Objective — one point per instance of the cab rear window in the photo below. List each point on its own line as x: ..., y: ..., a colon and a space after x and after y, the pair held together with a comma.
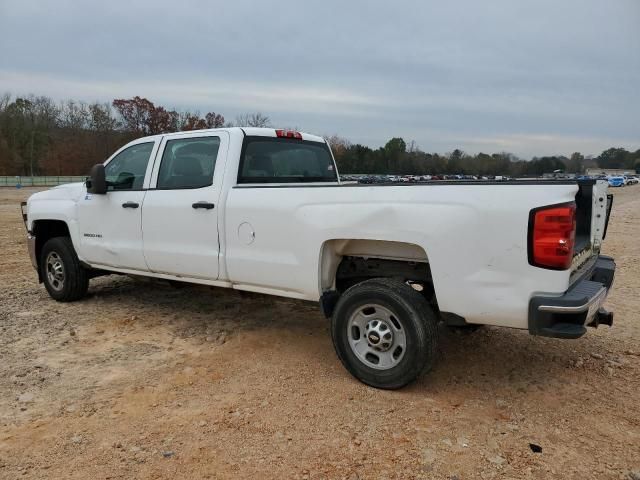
x: 285, y: 160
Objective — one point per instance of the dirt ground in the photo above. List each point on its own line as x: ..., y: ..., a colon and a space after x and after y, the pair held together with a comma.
x: 143, y: 380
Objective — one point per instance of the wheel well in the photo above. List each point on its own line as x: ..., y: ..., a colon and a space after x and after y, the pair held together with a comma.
x: 354, y: 270
x: 45, y: 230
x: 345, y: 263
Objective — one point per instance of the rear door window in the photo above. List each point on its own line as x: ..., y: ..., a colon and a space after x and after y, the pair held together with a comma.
x: 188, y: 163
x: 285, y: 160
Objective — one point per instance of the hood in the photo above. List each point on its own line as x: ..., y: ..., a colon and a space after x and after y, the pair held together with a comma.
x: 67, y: 185
x: 67, y: 191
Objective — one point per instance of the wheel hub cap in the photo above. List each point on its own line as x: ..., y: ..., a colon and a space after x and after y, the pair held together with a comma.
x: 55, y: 271
x: 376, y: 336
x: 379, y: 335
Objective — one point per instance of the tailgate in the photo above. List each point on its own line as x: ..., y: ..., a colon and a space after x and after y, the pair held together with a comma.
x: 593, y: 207
x: 601, y: 208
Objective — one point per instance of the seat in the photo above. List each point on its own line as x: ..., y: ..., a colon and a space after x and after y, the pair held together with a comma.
x: 124, y: 181
x: 188, y: 173
x: 259, y: 166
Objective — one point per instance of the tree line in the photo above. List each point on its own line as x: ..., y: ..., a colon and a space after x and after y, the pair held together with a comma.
x: 41, y: 137
x: 396, y: 157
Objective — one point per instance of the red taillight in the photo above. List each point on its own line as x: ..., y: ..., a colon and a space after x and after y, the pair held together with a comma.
x: 288, y: 134
x: 552, y: 233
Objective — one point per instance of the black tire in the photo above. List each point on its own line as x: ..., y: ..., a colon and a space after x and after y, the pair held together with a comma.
x: 409, y: 309
x: 73, y: 282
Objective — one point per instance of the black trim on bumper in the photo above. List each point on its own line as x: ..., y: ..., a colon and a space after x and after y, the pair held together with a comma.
x: 23, y: 210
x: 31, y: 246
x: 566, y: 316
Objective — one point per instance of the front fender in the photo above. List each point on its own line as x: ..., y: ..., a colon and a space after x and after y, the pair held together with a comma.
x: 56, y: 204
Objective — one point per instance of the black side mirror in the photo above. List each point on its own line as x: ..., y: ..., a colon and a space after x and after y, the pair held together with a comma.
x: 97, y: 181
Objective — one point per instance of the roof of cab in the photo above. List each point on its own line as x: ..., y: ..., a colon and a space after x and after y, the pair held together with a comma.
x: 250, y: 131
x: 271, y: 132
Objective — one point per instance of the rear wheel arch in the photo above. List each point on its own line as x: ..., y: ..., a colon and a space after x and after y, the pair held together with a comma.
x: 333, y: 251
x: 348, y: 262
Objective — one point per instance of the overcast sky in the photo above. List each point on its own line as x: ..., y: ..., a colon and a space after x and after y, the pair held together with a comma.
x: 530, y: 77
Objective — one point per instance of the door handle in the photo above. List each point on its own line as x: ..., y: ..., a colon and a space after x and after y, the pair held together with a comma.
x: 205, y: 205
x: 130, y: 205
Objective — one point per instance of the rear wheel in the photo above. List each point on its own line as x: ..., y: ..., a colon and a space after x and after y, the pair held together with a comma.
x: 63, y: 276
x: 384, y: 332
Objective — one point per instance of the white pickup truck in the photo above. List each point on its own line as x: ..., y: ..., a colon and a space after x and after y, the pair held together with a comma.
x: 264, y: 210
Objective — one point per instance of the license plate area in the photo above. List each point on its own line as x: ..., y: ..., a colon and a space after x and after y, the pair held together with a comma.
x: 595, y: 305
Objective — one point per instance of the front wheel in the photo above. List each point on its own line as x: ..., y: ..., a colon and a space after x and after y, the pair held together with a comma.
x: 64, y: 277
x: 384, y: 332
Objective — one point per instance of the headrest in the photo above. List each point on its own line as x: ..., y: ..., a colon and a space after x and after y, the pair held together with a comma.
x: 190, y: 166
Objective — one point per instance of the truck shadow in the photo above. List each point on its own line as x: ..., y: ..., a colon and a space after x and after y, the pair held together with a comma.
x: 471, y: 360
x: 193, y: 309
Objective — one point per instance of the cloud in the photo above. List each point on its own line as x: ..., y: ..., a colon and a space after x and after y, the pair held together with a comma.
x: 525, y: 76
x: 191, y: 93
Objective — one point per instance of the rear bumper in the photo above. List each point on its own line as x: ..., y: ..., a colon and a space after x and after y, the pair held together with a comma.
x: 568, y: 316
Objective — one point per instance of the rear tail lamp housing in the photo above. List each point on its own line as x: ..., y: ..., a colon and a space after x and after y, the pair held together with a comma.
x: 552, y: 236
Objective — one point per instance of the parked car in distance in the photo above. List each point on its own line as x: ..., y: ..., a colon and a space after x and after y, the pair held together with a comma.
x: 616, y: 181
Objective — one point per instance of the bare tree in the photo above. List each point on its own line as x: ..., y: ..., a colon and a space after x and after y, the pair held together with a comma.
x: 103, y: 125
x: 256, y: 119
x: 214, y: 120
x: 339, y: 145
x: 42, y: 115
x: 74, y: 115
x: 5, y: 100
x: 101, y: 118
x: 190, y: 121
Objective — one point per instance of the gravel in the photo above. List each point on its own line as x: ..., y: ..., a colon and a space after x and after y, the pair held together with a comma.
x: 249, y: 386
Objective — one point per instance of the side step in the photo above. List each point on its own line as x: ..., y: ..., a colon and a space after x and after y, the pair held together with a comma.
x: 564, y: 330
